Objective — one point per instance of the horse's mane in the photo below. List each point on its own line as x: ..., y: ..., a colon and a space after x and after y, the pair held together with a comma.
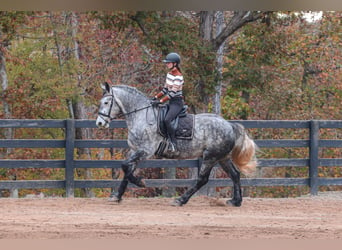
x: 131, y: 90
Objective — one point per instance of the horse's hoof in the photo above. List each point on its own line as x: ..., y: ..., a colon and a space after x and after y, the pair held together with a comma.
x: 176, y: 203
x: 233, y: 203
x: 114, y: 198
x: 142, y: 183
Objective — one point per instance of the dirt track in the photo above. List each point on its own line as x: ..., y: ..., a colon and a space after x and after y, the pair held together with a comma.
x: 202, y: 218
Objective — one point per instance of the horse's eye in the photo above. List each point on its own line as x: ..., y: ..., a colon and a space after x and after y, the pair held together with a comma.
x: 106, y: 103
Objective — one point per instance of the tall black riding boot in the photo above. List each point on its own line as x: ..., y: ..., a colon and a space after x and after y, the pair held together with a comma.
x: 172, y: 139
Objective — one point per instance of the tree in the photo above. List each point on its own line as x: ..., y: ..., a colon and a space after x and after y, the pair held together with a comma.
x: 235, y: 21
x: 214, y: 32
x: 79, y: 109
x: 8, y: 24
x: 294, y: 64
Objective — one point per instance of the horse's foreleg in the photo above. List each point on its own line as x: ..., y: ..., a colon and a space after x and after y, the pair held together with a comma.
x: 129, y: 166
x: 117, y: 197
x: 234, y: 174
x: 203, y: 179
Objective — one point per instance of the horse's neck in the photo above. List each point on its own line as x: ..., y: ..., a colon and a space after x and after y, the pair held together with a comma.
x: 133, y: 104
x: 130, y: 100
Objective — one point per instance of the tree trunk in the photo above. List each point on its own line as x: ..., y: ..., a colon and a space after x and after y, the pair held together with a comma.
x: 8, y: 132
x: 77, y: 107
x: 218, y: 88
x: 219, y: 64
x: 206, y: 25
x: 80, y: 110
x: 57, y: 42
x: 4, y: 86
x: 205, y: 33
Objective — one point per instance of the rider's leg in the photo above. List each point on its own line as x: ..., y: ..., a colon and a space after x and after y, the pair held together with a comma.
x: 171, y: 132
x: 175, y: 106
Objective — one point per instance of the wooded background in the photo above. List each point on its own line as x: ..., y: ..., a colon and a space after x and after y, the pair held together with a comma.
x: 240, y: 64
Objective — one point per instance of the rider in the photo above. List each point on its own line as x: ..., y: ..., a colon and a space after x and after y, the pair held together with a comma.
x: 172, y: 92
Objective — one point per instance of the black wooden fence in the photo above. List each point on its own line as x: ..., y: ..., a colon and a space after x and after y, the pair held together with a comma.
x: 69, y: 143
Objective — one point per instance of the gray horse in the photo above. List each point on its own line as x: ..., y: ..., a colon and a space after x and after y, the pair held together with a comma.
x: 215, y: 140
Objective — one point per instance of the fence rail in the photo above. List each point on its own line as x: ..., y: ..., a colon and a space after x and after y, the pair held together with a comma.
x: 69, y: 143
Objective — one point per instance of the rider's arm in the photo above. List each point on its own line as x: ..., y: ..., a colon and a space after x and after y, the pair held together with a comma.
x: 163, y: 92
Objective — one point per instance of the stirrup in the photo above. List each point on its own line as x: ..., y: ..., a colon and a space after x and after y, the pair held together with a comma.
x: 171, y: 147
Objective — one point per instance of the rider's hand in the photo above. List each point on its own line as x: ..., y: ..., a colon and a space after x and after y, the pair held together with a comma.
x: 155, y: 102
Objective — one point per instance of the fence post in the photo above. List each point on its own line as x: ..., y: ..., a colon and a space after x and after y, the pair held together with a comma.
x: 313, y: 165
x: 69, y: 157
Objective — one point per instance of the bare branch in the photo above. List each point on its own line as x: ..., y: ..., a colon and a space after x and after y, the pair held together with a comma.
x: 239, y: 19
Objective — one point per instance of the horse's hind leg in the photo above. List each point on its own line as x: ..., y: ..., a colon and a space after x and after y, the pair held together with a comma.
x: 234, y: 174
x: 203, y: 179
x: 129, y: 166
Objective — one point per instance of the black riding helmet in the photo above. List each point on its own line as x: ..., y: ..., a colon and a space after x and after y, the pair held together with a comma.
x: 172, y: 57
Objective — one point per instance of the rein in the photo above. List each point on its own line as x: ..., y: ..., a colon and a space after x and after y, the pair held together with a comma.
x: 122, y: 114
x: 136, y: 110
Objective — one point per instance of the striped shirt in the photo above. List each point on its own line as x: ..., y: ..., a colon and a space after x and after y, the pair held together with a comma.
x: 174, y: 83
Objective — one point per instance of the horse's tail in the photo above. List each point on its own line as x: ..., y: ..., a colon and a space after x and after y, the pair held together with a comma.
x: 243, y: 152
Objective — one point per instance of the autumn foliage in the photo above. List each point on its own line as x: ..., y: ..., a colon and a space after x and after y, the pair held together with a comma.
x: 278, y: 67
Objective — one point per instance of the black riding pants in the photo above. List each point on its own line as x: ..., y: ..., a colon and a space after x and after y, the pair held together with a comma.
x: 175, y: 106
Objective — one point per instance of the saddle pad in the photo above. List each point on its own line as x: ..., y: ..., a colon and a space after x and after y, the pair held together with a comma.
x: 185, y: 127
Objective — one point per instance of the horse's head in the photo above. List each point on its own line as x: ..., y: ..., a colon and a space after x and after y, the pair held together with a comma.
x: 108, y: 108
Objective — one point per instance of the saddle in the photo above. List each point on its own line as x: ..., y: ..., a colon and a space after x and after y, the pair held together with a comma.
x: 183, y: 123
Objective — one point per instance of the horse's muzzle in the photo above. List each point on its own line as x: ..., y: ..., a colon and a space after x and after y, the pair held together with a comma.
x: 102, y: 123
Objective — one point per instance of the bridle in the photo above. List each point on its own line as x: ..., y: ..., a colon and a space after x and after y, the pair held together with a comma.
x: 122, y: 113
x: 110, y: 108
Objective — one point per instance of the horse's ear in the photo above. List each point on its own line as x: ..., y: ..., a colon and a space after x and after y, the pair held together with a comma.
x: 105, y: 86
